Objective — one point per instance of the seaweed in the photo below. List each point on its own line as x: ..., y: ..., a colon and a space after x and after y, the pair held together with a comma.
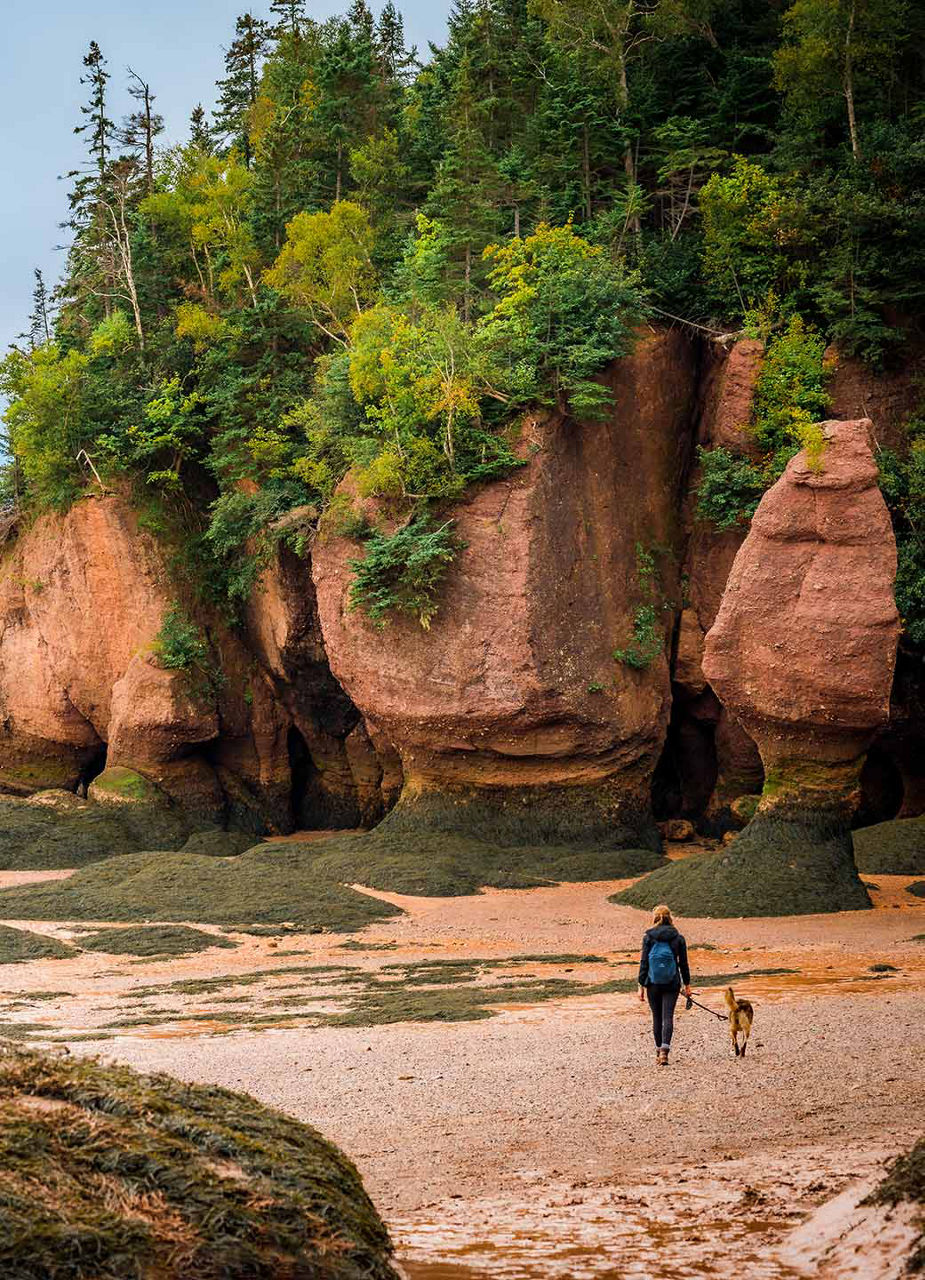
x: 152, y: 940
x: 111, y: 1175
x: 17, y: 946
x: 894, y: 848
x: 782, y: 864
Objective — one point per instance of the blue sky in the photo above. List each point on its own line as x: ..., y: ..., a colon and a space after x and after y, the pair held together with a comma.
x: 175, y: 44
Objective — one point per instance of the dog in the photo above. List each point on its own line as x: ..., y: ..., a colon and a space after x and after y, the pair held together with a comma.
x: 741, y: 1016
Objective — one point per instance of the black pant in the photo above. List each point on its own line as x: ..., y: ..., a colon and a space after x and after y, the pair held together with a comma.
x: 662, y: 1001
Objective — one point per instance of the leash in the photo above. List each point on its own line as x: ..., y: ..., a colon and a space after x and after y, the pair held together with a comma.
x: 723, y: 1017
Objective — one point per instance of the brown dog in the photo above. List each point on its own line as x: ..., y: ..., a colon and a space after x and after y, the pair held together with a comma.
x: 741, y: 1016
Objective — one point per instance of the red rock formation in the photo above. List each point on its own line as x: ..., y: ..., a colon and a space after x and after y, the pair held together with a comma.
x: 82, y: 599
x: 511, y: 709
x: 804, y: 645
x: 728, y: 394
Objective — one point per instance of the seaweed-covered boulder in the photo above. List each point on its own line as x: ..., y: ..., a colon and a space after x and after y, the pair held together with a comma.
x: 894, y: 848
x: 513, y: 720
x: 802, y: 654
x: 109, y: 1174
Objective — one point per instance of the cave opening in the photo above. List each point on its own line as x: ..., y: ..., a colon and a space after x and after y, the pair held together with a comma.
x: 687, y: 769
x: 303, y: 773
x: 882, y: 789
x: 92, y: 768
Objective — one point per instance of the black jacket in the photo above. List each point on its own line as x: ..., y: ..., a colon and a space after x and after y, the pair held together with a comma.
x: 664, y: 933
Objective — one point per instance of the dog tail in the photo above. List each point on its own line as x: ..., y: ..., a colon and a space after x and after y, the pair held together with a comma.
x: 730, y: 999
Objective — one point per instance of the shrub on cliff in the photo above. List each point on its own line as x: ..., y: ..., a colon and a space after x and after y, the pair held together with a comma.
x: 402, y: 572
x: 109, y: 1174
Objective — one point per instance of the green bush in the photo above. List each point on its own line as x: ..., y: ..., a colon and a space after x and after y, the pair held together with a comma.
x: 402, y: 572
x: 730, y: 488
x: 647, y: 643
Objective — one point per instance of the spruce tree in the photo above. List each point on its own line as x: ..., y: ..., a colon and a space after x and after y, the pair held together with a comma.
x: 238, y: 90
x: 91, y: 261
x: 291, y: 14
x: 39, y: 327
x: 200, y: 135
x: 139, y: 129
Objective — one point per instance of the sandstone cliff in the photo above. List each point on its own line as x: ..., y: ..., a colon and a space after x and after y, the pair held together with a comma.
x: 512, y: 718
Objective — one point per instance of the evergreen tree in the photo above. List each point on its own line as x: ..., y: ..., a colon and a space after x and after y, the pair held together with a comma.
x: 91, y: 266
x: 39, y: 327
x: 200, y: 135
x: 395, y: 59
x: 291, y: 15
x: 466, y: 195
x: 141, y: 127
x: 238, y: 89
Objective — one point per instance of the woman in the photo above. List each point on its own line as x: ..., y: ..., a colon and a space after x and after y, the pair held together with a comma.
x: 662, y: 967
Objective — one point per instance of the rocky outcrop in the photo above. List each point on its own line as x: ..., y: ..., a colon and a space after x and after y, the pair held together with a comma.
x: 83, y: 597
x: 511, y: 716
x: 802, y: 654
x: 713, y: 758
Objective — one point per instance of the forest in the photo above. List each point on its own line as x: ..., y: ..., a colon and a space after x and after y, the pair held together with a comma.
x: 372, y: 258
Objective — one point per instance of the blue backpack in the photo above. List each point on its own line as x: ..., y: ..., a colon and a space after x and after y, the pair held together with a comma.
x: 663, y: 967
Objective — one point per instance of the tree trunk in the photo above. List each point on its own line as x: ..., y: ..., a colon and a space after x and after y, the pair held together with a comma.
x: 849, y: 89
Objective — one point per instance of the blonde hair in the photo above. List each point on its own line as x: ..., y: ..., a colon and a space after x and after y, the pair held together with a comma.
x: 661, y: 914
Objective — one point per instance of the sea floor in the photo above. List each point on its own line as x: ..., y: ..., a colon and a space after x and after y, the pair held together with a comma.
x: 544, y: 1141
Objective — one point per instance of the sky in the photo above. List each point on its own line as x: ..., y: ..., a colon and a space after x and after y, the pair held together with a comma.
x: 174, y: 44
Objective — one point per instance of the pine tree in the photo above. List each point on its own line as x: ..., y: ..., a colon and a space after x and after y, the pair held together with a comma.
x: 361, y: 19
x: 97, y: 131
x: 395, y: 59
x: 139, y: 129
x: 466, y: 195
x: 200, y: 135
x: 291, y: 14
x: 39, y: 328
x: 238, y: 90
x: 91, y: 264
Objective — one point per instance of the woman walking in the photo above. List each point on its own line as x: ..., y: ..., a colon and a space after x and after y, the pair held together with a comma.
x: 662, y: 968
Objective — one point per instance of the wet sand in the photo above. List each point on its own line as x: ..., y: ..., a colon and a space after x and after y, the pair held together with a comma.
x: 545, y: 1141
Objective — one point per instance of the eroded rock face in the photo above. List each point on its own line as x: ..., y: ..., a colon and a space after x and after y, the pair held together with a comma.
x: 804, y: 645
x: 82, y: 599
x: 802, y: 653
x: 511, y: 717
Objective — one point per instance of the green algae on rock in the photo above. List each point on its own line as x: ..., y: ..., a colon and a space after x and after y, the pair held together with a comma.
x: 110, y: 1174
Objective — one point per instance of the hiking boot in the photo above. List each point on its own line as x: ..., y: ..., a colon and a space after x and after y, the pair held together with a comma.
x: 663, y: 1057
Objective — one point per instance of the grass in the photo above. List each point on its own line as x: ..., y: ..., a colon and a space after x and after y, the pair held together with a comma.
x: 271, y: 885
x: 894, y: 848
x: 779, y: 866
x: 152, y: 940
x: 905, y: 1181
x: 111, y: 1175
x: 17, y: 946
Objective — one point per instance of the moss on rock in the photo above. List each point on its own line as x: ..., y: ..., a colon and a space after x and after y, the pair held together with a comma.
x: 585, y: 818
x: 18, y: 946
x: 110, y: 1174
x: 119, y: 785
x: 433, y: 863
x: 894, y: 848
x: 781, y: 865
